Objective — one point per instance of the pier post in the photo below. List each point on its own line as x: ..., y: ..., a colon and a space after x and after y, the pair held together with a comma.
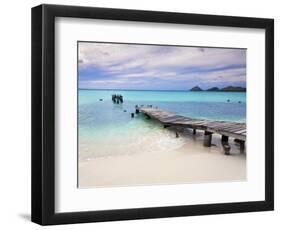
x: 194, y: 131
x: 224, y: 138
x: 226, y: 148
x: 242, y: 146
x: 207, y: 139
x: 225, y: 144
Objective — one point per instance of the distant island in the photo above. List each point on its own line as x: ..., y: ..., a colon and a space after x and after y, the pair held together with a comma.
x: 216, y: 89
x: 196, y: 88
x: 213, y: 89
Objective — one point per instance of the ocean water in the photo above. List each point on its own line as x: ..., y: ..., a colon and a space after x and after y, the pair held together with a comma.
x: 107, y: 129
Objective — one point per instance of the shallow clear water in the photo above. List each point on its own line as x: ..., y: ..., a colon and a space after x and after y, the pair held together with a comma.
x: 106, y: 129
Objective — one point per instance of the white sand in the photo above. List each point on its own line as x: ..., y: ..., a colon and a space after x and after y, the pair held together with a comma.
x: 191, y: 163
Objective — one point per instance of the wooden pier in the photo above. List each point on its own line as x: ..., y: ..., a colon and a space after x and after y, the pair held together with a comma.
x: 225, y: 128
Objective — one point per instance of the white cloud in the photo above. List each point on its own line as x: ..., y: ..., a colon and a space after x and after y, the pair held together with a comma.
x: 124, y: 61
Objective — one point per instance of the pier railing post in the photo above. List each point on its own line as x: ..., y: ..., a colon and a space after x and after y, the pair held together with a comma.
x: 207, y: 139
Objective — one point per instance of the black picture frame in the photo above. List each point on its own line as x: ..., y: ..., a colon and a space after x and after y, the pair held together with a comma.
x: 43, y: 114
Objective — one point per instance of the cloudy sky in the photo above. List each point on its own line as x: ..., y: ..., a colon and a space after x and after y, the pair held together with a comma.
x: 124, y: 66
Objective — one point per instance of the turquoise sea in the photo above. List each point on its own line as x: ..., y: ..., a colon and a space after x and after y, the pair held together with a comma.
x: 104, y: 127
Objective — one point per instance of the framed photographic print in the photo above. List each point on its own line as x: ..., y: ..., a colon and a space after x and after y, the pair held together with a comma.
x: 142, y: 114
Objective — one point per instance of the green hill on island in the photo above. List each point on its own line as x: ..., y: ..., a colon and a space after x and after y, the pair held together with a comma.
x: 216, y: 89
x: 234, y: 89
x: 213, y: 89
x: 196, y: 88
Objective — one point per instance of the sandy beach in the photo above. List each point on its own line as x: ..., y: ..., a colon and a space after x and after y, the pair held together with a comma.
x: 189, y: 163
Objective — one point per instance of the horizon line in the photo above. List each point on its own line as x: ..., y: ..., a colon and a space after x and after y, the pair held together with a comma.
x: 137, y: 89
x: 155, y: 89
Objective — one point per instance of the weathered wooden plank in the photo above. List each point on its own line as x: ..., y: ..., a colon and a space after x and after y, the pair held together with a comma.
x: 226, y: 125
x: 234, y: 130
x: 242, y: 131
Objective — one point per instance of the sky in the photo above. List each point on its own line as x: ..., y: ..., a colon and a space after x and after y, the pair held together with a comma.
x: 158, y: 67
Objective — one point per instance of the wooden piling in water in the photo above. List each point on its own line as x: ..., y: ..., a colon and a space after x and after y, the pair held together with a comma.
x: 226, y: 148
x: 225, y: 144
x: 117, y: 99
x: 207, y: 139
x: 224, y: 138
x: 242, y: 146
